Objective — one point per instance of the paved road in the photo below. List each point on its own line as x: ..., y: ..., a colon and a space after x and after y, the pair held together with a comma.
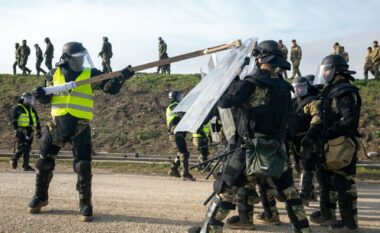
x: 134, y: 203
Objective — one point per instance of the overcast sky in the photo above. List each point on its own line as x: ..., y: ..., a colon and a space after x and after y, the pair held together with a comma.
x: 133, y: 27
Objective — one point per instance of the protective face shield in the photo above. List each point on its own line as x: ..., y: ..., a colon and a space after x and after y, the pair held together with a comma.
x: 325, y: 74
x: 175, y: 95
x: 78, y: 61
x: 300, y: 90
x: 28, y: 99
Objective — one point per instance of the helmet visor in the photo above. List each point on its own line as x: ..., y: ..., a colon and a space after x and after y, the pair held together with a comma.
x: 300, y: 90
x: 29, y: 99
x: 325, y: 74
x: 78, y: 61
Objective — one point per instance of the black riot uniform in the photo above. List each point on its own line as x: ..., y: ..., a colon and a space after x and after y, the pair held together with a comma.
x: 70, y: 123
x: 24, y: 121
x: 303, y: 124
x: 262, y: 102
x: 340, y: 107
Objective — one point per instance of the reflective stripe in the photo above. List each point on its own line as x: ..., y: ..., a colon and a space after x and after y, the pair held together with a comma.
x: 205, y: 129
x: 170, y: 116
x: 73, y: 106
x: 24, y: 119
x: 81, y: 95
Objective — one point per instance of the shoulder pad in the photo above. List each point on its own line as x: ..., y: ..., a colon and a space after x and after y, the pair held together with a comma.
x: 343, y: 88
x: 260, y: 78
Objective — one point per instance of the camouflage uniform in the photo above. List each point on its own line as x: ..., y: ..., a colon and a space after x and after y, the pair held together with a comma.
x: 295, y: 58
x: 375, y: 55
x: 39, y: 59
x: 106, y: 54
x: 346, y: 56
x: 368, y: 65
x: 17, y: 58
x: 49, y: 54
x: 24, y: 54
x: 285, y: 52
x: 162, y: 54
x: 338, y: 50
x: 284, y: 184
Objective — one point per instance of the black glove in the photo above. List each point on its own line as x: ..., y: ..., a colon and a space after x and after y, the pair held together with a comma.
x: 127, y: 73
x: 246, y: 61
x: 307, y: 142
x: 39, y: 93
x: 38, y: 133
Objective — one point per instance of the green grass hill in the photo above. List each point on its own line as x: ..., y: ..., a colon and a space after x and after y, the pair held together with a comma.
x: 134, y: 119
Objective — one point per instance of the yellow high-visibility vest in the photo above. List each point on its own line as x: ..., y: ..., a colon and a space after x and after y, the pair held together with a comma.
x: 24, y: 120
x: 170, y: 116
x: 79, y: 101
x: 206, y: 130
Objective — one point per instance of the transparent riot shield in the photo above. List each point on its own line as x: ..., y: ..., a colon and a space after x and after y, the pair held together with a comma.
x: 203, y: 97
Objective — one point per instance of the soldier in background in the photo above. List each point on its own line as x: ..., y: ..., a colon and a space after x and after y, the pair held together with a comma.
x: 368, y: 64
x: 39, y: 59
x: 295, y: 58
x: 337, y: 49
x: 375, y: 55
x: 17, y: 57
x: 49, y: 53
x: 162, y: 54
x: 345, y: 54
x: 106, y: 54
x: 285, y: 52
x: 24, y: 54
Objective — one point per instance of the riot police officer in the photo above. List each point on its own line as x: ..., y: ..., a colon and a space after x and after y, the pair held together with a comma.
x: 24, y: 121
x: 340, y: 107
x: 303, y: 124
x: 71, y: 114
x: 177, y: 139
x: 263, y: 100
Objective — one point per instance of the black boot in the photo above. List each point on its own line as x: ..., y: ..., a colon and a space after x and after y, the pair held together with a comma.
x: 85, y: 204
x: 26, y: 167
x: 323, y: 218
x: 13, y: 163
x: 185, y: 173
x: 41, y: 197
x: 174, y: 168
x: 243, y: 221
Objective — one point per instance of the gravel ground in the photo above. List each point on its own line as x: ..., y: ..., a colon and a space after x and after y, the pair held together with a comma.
x: 135, y: 203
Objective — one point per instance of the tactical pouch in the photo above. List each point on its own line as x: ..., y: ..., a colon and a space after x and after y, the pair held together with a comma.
x: 266, y: 158
x: 339, y: 152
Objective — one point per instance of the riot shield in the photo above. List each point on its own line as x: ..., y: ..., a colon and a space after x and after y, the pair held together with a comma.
x: 203, y: 97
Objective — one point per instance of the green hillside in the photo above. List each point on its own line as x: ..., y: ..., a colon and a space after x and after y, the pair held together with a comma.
x: 134, y: 119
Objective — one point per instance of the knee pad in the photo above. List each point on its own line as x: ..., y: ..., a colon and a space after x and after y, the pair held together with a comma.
x: 47, y: 149
x: 45, y: 164
x: 285, y: 181
x: 82, y: 167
